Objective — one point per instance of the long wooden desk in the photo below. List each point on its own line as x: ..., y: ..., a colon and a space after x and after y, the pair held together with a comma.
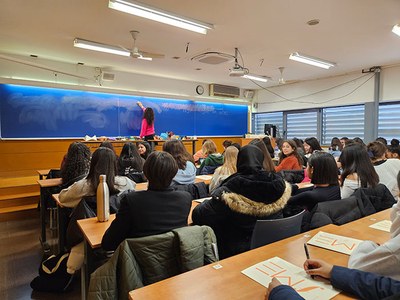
x: 229, y: 283
x: 93, y: 231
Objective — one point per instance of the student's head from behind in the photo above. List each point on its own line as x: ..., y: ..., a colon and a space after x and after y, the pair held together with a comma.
x: 268, y: 164
x: 376, y: 151
x: 107, y: 144
x: 226, y: 143
x: 250, y: 160
x: 160, y: 168
x: 230, y: 158
x: 77, y: 161
x: 178, y: 151
x: 149, y: 115
x: 382, y: 140
x: 143, y: 149
x: 393, y: 152
x: 129, y: 150
x: 209, y: 147
x: 311, y: 144
x: 322, y: 168
x: 354, y: 159
x: 103, y: 163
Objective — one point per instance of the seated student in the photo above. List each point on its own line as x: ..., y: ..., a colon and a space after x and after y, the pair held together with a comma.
x: 335, y: 147
x: 242, y: 199
x: 199, y: 156
x: 130, y: 163
x: 311, y: 144
x: 157, y: 210
x: 381, y: 259
x: 289, y: 159
x: 323, y: 172
x: 358, y: 170
x: 227, y: 169
x: 186, y: 169
x: 75, y: 163
x: 360, y: 284
x: 387, y: 169
x: 213, y: 159
x: 226, y: 144
x: 103, y: 162
x: 144, y: 149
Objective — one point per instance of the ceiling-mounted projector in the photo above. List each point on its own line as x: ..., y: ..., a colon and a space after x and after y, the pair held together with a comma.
x: 238, y: 71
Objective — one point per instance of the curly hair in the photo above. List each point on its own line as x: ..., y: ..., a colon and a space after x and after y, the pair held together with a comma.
x: 76, y: 162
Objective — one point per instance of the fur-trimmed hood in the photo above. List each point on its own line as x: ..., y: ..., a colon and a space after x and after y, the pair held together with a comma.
x: 260, y: 194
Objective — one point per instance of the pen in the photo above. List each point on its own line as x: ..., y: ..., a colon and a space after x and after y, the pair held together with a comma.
x: 307, y: 255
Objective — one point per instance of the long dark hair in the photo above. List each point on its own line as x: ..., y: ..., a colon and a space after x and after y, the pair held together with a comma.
x: 295, y: 153
x: 267, y: 142
x: 268, y: 164
x: 354, y: 159
x: 314, y: 144
x: 103, y: 163
x: 130, y: 157
x: 77, y: 162
x: 148, y: 149
x: 178, y: 152
x: 149, y: 115
x: 324, y: 168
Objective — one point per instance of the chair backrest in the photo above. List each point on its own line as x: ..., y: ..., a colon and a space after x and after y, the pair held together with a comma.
x: 269, y: 231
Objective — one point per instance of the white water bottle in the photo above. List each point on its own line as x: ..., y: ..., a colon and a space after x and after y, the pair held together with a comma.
x: 103, y: 200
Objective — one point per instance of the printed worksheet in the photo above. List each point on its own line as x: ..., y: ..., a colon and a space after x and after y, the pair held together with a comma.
x: 334, y: 242
x: 382, y: 225
x: 292, y: 275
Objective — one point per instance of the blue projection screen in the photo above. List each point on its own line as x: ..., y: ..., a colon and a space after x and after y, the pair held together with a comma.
x: 37, y: 112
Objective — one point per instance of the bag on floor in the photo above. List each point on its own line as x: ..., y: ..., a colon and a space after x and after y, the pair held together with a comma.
x: 53, y: 276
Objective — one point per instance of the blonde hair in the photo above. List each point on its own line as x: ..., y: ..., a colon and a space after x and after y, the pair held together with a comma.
x: 230, y: 159
x: 209, y: 147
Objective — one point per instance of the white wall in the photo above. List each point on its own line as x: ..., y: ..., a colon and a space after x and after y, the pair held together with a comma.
x: 341, y: 91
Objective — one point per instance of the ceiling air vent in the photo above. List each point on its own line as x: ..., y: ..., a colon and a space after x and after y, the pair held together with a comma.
x: 224, y: 90
x: 213, y: 57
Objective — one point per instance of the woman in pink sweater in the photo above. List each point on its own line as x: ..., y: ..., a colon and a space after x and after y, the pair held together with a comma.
x: 289, y: 159
x: 147, y: 131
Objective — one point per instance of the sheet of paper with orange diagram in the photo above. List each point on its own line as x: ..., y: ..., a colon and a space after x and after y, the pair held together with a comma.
x: 334, y: 242
x: 291, y: 275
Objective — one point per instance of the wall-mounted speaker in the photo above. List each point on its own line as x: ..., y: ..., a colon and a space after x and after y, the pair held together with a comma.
x: 248, y: 94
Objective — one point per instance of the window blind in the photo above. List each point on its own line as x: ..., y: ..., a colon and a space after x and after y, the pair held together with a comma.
x: 342, y: 121
x: 275, y: 118
x: 302, y: 125
x: 389, y: 125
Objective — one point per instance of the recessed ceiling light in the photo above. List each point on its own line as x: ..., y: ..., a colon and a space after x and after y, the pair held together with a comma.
x: 313, y: 22
x: 396, y: 29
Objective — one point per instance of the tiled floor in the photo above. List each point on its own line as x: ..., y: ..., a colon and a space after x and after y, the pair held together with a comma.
x: 20, y: 257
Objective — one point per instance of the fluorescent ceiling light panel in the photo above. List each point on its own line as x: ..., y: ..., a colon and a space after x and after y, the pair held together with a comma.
x: 396, y: 29
x: 148, y: 12
x: 84, y: 44
x: 311, y: 60
x: 255, y: 77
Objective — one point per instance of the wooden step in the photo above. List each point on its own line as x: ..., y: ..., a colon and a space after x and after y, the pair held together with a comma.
x: 7, y: 182
x: 18, y: 201
x: 20, y: 195
x: 18, y: 208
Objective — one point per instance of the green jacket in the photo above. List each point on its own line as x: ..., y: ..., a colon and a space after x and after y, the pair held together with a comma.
x: 142, y: 261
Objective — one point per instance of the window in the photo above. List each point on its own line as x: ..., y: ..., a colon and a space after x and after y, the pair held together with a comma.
x: 302, y: 125
x: 389, y: 126
x: 275, y: 118
x: 342, y: 121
